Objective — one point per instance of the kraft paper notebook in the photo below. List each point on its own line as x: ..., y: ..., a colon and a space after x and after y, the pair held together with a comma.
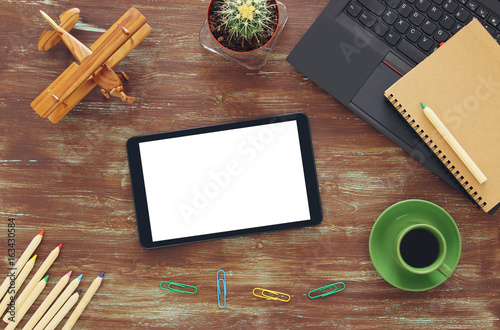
x: 461, y: 83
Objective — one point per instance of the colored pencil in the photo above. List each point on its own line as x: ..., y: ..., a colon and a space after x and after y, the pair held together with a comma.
x: 18, y: 283
x: 63, y: 311
x: 22, y: 260
x: 96, y: 283
x: 35, y: 279
x: 48, y: 301
x: 453, y: 143
x: 58, y: 303
x: 27, y: 304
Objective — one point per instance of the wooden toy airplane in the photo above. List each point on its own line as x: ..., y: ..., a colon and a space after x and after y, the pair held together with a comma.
x: 96, y: 63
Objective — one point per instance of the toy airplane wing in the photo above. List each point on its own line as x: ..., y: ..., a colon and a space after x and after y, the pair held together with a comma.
x: 76, y: 81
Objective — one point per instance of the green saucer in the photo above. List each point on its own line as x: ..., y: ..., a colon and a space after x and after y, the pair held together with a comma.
x: 391, y: 222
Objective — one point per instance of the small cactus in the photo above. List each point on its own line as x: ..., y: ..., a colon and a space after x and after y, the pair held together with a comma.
x: 247, y: 19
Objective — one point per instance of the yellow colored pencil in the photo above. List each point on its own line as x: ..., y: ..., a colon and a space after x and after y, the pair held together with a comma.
x: 33, y: 282
x: 48, y: 301
x: 63, y: 311
x: 96, y: 283
x: 27, y: 304
x: 454, y: 144
x: 18, y: 283
x: 22, y: 260
x: 58, y: 303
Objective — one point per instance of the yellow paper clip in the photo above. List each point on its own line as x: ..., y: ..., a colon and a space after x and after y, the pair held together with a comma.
x: 340, y: 287
x: 274, y: 295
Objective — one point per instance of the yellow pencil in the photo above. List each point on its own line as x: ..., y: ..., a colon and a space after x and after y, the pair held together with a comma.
x: 20, y: 263
x: 96, y: 283
x: 33, y: 282
x: 63, y: 311
x: 48, y: 301
x: 27, y: 304
x: 17, y: 284
x: 58, y: 303
x: 453, y: 143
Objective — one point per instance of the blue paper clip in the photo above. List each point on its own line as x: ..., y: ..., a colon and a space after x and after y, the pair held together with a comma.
x: 335, y: 290
x: 170, y: 288
x: 221, y: 282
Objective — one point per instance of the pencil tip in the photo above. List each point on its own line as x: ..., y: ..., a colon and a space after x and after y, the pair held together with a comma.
x: 46, y: 278
x: 69, y: 273
x: 42, y: 232
x: 423, y: 105
x: 34, y: 257
x: 60, y: 246
x: 102, y: 274
x: 80, y: 277
x: 79, y: 291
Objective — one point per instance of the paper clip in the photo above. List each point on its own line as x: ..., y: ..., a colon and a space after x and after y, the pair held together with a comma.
x: 276, y: 295
x: 335, y: 290
x: 221, y: 282
x: 169, y: 287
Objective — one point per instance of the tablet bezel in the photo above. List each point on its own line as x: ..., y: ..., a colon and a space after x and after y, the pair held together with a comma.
x: 139, y: 190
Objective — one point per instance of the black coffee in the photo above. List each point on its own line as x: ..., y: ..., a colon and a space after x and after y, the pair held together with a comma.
x: 419, y: 248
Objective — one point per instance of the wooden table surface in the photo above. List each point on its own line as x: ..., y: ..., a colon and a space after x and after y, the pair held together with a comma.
x: 72, y: 180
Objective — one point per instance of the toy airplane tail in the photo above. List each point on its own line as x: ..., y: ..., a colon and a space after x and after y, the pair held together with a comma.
x: 50, y: 38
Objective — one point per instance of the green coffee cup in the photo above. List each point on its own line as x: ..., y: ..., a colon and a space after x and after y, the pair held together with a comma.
x: 415, y: 245
x: 421, y: 249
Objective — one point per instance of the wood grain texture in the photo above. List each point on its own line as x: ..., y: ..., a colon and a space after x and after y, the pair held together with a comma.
x: 72, y: 180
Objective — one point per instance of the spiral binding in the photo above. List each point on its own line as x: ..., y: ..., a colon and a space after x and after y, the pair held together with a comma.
x: 434, y: 148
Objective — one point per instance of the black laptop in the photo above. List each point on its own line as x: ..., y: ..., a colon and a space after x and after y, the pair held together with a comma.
x: 356, y: 49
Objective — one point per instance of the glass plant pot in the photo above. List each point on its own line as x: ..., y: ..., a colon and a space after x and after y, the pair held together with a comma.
x: 252, y: 60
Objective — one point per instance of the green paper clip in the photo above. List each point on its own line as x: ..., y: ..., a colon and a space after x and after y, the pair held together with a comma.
x: 169, y: 287
x: 335, y: 290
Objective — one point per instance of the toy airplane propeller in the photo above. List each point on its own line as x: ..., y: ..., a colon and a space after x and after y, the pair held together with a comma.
x: 96, y: 63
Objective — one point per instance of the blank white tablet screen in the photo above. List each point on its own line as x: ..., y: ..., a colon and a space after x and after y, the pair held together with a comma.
x: 223, y: 181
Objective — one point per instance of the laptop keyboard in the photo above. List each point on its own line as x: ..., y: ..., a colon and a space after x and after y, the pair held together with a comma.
x: 417, y: 27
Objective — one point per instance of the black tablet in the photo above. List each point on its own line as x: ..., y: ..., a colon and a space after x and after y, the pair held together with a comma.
x: 224, y: 180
